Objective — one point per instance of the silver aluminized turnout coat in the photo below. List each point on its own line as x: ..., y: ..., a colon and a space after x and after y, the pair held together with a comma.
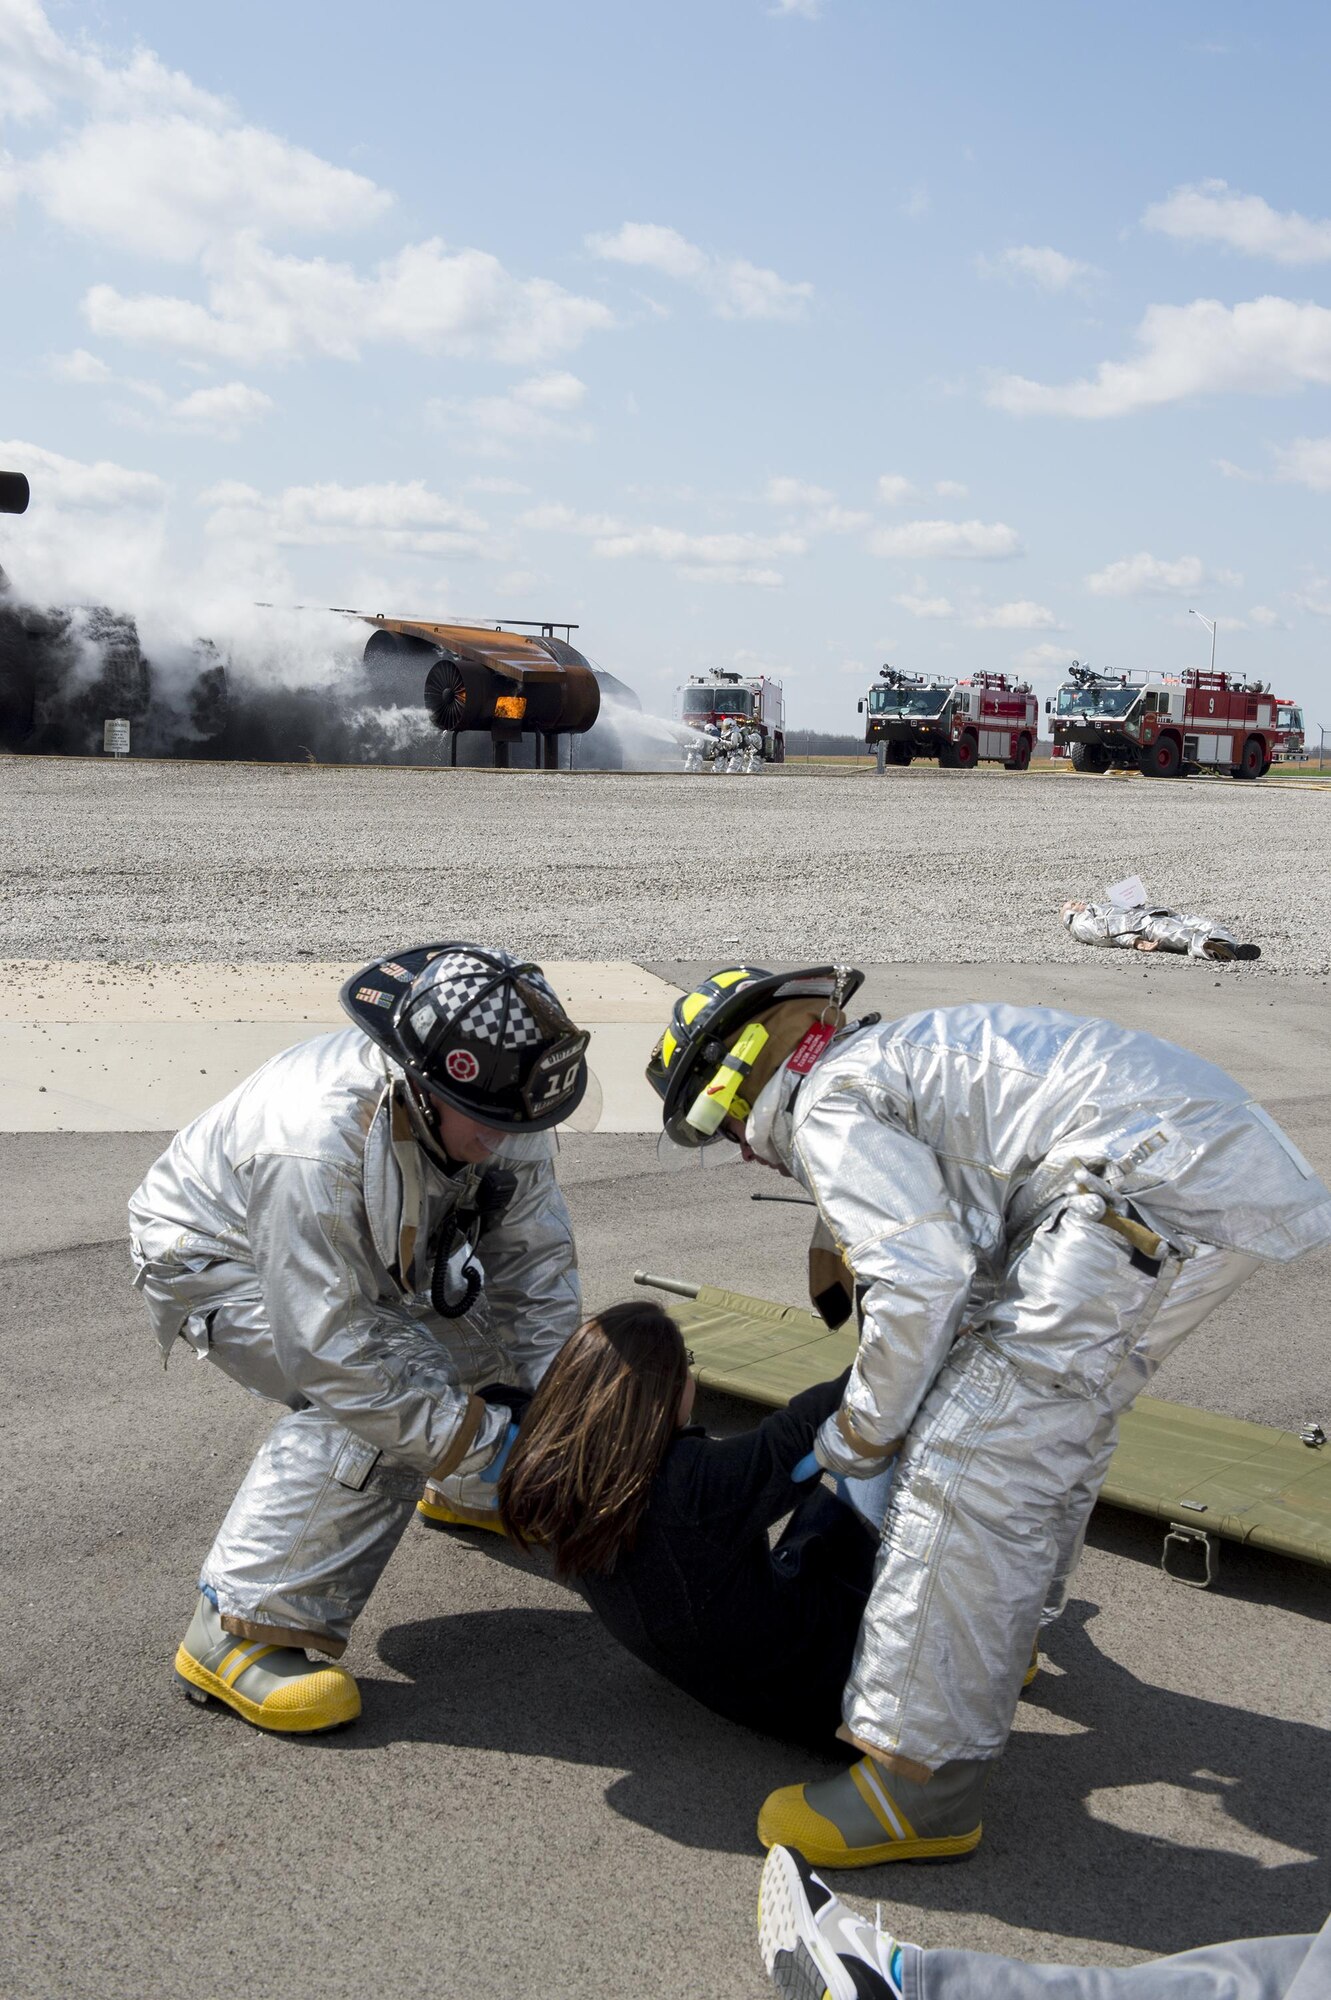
x: 975, y: 1167
x: 287, y: 1235
x: 1153, y: 924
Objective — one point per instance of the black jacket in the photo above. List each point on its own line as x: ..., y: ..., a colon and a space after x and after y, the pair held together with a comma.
x: 762, y: 1635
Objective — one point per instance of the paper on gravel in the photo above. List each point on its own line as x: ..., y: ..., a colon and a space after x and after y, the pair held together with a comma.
x: 1129, y: 894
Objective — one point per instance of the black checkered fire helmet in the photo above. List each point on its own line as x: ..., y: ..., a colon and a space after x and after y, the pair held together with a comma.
x: 481, y: 1029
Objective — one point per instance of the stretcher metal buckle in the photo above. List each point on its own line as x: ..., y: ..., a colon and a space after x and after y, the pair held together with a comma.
x: 1197, y: 1556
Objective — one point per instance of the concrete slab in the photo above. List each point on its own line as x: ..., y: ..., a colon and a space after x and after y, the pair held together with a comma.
x: 286, y: 990
x: 91, y: 1047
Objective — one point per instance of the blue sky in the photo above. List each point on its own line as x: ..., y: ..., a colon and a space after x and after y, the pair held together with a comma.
x: 792, y: 334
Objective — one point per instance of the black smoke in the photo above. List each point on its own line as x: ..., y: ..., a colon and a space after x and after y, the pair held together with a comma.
x: 64, y: 671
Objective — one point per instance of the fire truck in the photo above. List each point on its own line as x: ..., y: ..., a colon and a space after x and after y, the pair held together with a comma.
x: 756, y: 701
x: 986, y: 718
x: 1166, y: 725
x: 1289, y: 722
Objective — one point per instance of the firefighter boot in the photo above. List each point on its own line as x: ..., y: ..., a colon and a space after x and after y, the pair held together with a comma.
x: 274, y: 1687
x: 868, y: 1814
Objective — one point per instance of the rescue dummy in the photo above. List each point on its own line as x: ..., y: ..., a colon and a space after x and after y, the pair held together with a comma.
x: 1027, y: 1211
x: 1128, y: 922
x: 363, y: 1232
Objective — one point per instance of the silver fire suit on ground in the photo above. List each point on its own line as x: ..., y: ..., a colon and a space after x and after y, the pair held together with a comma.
x: 288, y: 1235
x: 1168, y: 930
x: 969, y: 1164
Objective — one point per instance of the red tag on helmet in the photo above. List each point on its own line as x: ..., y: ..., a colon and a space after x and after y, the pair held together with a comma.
x: 809, y: 1050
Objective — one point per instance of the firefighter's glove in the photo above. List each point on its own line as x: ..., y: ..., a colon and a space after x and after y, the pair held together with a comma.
x: 844, y: 1452
x: 473, y: 1490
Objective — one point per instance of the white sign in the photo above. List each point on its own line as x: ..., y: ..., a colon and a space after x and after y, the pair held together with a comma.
x: 115, y: 737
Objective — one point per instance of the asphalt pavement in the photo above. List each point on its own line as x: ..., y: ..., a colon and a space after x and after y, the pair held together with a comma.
x: 523, y: 1809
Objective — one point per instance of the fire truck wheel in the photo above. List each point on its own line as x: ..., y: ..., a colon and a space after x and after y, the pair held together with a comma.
x: 967, y: 753
x: 1163, y: 758
x: 1250, y: 763
x: 899, y: 753
x: 1266, y: 765
x: 1022, y: 758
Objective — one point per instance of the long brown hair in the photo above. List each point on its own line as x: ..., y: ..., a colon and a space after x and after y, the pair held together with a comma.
x: 593, y: 1438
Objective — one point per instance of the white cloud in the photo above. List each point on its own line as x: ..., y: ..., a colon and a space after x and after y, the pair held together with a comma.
x: 1145, y: 575
x: 536, y: 411
x: 707, y: 558
x: 915, y: 203
x: 555, y: 518
x: 38, y: 71
x: 769, y: 579
x: 221, y: 410
x: 808, y: 10
x: 403, y: 517
x: 265, y: 307
x: 735, y: 288
x: 1213, y: 212
x: 1316, y: 598
x: 1263, y: 615
x: 59, y: 482
x: 151, y: 164
x: 1228, y: 470
x: 785, y: 492
x: 817, y: 507
x: 1307, y: 461
x: 894, y: 489
x: 1049, y: 270
x: 675, y: 546
x: 80, y: 367
x: 925, y: 607
x: 950, y: 489
x: 172, y: 187
x: 1263, y: 347
x: 1018, y: 615
x: 1044, y: 658
x: 981, y: 541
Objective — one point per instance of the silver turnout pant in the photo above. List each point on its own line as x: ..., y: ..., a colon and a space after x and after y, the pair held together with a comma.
x: 318, y: 1513
x: 1269, y: 1968
x: 998, y: 1475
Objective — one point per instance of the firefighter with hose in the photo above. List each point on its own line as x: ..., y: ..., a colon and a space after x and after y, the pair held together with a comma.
x: 363, y: 1233
x: 1026, y: 1211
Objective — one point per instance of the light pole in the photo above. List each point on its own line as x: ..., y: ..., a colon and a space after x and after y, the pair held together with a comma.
x: 1210, y: 624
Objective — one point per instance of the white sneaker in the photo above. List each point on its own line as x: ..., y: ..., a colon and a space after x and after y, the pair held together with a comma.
x: 813, y: 1947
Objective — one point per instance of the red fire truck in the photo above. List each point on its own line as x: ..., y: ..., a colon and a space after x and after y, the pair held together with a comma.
x: 1166, y: 725
x: 985, y: 717
x: 1289, y: 721
x: 755, y: 701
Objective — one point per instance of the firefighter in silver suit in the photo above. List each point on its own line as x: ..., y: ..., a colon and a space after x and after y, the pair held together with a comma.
x: 1027, y: 1211
x: 364, y: 1232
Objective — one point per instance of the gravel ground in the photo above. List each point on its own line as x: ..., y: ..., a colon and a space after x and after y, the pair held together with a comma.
x: 207, y: 861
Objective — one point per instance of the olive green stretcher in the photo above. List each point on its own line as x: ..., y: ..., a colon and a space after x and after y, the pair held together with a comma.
x: 1206, y: 1476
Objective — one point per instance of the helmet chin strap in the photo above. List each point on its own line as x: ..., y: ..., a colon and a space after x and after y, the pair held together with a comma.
x: 425, y: 1121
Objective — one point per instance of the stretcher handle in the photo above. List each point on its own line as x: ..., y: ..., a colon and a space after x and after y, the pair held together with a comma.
x: 676, y: 1285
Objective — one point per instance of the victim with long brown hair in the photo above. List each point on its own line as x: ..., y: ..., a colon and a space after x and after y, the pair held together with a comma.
x: 664, y: 1529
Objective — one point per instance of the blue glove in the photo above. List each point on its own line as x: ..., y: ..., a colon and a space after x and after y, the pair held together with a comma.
x: 808, y: 1468
x: 491, y: 1474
